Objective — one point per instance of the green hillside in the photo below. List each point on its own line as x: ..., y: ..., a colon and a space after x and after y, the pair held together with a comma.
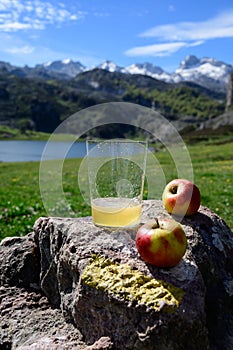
x: 42, y: 104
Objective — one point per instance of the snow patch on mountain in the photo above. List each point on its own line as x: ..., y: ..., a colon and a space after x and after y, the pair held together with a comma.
x: 111, y: 67
x: 47, y: 64
x: 67, y: 61
x: 144, y: 68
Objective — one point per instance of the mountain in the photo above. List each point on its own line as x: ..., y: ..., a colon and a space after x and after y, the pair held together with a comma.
x: 42, y: 104
x: 110, y: 66
x: 206, y: 72
x: 150, y: 70
x: 66, y: 67
x: 7, y: 68
x: 41, y: 97
x: 39, y: 71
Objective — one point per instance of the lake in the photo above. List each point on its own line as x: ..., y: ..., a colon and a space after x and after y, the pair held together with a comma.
x: 24, y: 151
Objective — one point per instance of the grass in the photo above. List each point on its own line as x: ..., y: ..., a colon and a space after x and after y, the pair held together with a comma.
x: 21, y: 203
x: 213, y: 174
x: 8, y: 133
x: 213, y: 170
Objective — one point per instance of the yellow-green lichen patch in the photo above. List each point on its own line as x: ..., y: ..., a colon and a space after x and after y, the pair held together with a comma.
x: 124, y: 282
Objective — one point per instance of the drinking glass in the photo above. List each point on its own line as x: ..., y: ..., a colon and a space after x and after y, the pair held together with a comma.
x: 116, y: 172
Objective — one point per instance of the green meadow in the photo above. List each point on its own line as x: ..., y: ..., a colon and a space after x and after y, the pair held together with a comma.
x: 21, y: 203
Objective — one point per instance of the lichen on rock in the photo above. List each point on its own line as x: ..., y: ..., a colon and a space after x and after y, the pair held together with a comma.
x: 130, y: 284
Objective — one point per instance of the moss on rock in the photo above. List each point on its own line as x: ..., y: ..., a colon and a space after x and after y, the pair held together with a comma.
x: 132, y: 285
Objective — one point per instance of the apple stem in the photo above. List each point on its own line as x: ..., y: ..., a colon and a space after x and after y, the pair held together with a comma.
x: 156, y: 224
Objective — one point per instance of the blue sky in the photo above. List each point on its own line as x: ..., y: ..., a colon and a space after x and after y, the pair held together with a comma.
x: 126, y: 32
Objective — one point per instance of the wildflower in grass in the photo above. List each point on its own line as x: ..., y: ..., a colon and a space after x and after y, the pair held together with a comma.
x: 15, y: 179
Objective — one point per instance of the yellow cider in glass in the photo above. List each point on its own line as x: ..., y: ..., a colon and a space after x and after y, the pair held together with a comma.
x: 116, y: 212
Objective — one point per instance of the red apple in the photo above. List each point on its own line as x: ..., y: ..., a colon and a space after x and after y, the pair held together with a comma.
x: 161, y: 242
x: 181, y: 197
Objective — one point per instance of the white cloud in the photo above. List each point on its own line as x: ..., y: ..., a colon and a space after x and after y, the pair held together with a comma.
x: 217, y: 27
x: 13, y: 26
x: 155, y: 50
x: 20, y: 50
x: 172, y: 37
x: 159, y: 50
x: 20, y: 15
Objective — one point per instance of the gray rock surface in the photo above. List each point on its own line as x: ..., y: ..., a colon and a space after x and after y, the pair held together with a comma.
x: 29, y: 322
x: 84, y: 287
x: 19, y: 262
x: 229, y: 97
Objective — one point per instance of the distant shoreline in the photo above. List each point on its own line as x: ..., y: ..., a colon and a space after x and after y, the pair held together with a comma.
x: 10, y: 134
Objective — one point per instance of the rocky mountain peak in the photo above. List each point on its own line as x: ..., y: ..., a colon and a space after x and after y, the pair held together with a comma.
x: 189, y: 61
x: 110, y: 66
x: 66, y: 66
x: 144, y: 68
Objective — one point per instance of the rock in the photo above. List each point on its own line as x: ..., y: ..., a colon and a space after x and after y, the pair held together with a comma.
x: 102, y: 343
x: 19, y: 262
x: 29, y: 322
x: 229, y: 95
x: 98, y: 279
x: 96, y: 285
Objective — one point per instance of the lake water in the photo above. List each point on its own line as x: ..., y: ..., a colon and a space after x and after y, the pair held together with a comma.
x: 24, y: 151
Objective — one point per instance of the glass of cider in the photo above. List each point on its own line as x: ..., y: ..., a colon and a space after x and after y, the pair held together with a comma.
x: 116, y: 171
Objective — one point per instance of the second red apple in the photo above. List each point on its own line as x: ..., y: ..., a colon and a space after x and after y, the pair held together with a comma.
x: 181, y: 197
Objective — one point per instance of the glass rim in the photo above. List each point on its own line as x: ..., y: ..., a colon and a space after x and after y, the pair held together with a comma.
x: 117, y: 140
